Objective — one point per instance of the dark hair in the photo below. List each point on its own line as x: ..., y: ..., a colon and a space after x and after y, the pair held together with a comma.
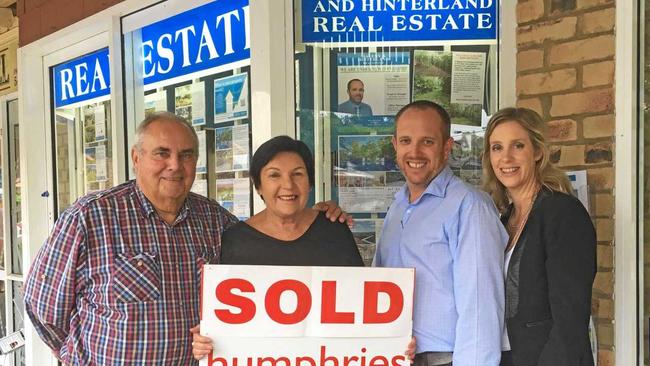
x: 268, y: 150
x: 351, y: 80
x: 427, y: 104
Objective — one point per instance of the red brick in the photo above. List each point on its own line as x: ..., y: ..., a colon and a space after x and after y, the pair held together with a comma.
x: 598, y: 100
x: 554, y: 29
x: 599, y: 73
x: 585, y: 49
x: 546, y: 82
x: 600, y: 178
x: 598, y: 126
x: 561, y: 130
x: 529, y: 10
x: 598, y: 21
x: 530, y: 59
x: 531, y: 103
x: 584, y: 4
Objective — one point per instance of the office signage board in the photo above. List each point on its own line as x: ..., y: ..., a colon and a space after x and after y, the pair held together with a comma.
x: 359, y: 21
x: 215, y: 34
x: 83, y: 78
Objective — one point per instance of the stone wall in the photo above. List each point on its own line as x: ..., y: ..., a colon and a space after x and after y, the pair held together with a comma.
x: 565, y: 72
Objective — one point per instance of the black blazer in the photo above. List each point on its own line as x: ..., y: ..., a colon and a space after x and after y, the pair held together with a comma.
x: 548, y: 284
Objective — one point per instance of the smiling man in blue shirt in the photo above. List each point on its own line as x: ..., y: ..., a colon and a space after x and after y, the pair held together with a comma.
x: 451, y: 234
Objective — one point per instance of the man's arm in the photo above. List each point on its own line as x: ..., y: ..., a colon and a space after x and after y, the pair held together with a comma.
x: 478, y: 283
x: 51, y: 285
x: 334, y: 212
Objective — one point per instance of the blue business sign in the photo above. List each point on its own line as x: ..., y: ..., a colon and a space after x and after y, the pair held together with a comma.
x: 398, y: 20
x: 211, y: 35
x: 81, y: 79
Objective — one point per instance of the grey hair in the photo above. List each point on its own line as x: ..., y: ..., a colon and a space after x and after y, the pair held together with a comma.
x: 167, y: 116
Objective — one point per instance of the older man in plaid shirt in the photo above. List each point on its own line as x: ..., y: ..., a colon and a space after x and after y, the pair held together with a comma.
x: 117, y: 282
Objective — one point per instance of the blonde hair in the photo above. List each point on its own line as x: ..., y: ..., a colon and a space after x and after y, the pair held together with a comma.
x: 546, y: 174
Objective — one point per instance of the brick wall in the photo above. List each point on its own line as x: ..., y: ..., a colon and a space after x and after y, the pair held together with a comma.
x: 38, y: 18
x: 565, y: 71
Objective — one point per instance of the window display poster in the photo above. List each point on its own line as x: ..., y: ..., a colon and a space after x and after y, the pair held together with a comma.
x: 100, y: 156
x: 155, y: 102
x: 433, y: 79
x: 366, y: 235
x: 200, y: 187
x: 198, y: 104
x: 232, y: 148
x: 467, y: 77
x: 379, y: 83
x: 231, y: 98
x: 95, y: 163
x: 368, y: 175
x: 465, y: 158
x: 234, y: 196
x: 189, y: 103
x: 201, y: 163
x: 100, y: 122
x: 94, y: 123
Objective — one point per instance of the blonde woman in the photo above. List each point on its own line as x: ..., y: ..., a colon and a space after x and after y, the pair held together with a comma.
x: 550, y: 259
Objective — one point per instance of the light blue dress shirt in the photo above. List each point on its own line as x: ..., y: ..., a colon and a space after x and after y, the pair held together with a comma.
x: 362, y: 109
x: 453, y: 238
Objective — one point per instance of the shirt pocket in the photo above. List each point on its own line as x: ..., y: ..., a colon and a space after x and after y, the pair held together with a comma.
x: 137, y: 277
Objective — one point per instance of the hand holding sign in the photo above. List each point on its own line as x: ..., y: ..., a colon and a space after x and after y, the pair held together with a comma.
x: 306, y: 316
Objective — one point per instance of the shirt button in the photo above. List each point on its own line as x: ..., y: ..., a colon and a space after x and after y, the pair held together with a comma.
x: 140, y: 263
x: 43, y: 277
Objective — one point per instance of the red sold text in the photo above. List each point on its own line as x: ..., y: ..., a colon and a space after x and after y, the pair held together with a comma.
x: 232, y: 292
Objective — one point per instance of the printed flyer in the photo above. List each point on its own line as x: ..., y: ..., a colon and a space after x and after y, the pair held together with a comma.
x: 232, y: 148
x: 231, y: 98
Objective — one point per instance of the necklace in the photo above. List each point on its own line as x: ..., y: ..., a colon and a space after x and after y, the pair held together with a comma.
x: 515, y: 228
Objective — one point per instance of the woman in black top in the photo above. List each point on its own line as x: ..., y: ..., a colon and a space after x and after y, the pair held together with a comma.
x: 551, y: 254
x: 286, y: 232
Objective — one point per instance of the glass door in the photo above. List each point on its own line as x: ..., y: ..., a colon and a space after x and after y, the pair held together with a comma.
x: 11, y: 271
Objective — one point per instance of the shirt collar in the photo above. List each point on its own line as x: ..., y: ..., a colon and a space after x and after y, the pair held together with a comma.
x: 147, y: 208
x: 437, y: 187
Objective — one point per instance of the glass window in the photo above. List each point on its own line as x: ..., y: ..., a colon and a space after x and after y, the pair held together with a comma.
x: 644, y: 71
x: 206, y: 81
x: 18, y: 309
x: 353, y: 74
x: 82, y: 127
x: 14, y: 179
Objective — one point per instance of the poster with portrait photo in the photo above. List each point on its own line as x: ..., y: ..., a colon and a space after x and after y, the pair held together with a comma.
x: 363, y: 164
x: 231, y: 98
x: 455, y: 80
x: 382, y: 87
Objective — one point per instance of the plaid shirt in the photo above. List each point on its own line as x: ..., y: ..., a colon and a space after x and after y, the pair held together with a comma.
x: 116, y: 285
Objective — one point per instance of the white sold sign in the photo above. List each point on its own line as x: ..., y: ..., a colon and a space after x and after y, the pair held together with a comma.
x: 307, y: 316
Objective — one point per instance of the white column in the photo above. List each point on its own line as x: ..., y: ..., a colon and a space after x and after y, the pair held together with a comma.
x: 272, y: 72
